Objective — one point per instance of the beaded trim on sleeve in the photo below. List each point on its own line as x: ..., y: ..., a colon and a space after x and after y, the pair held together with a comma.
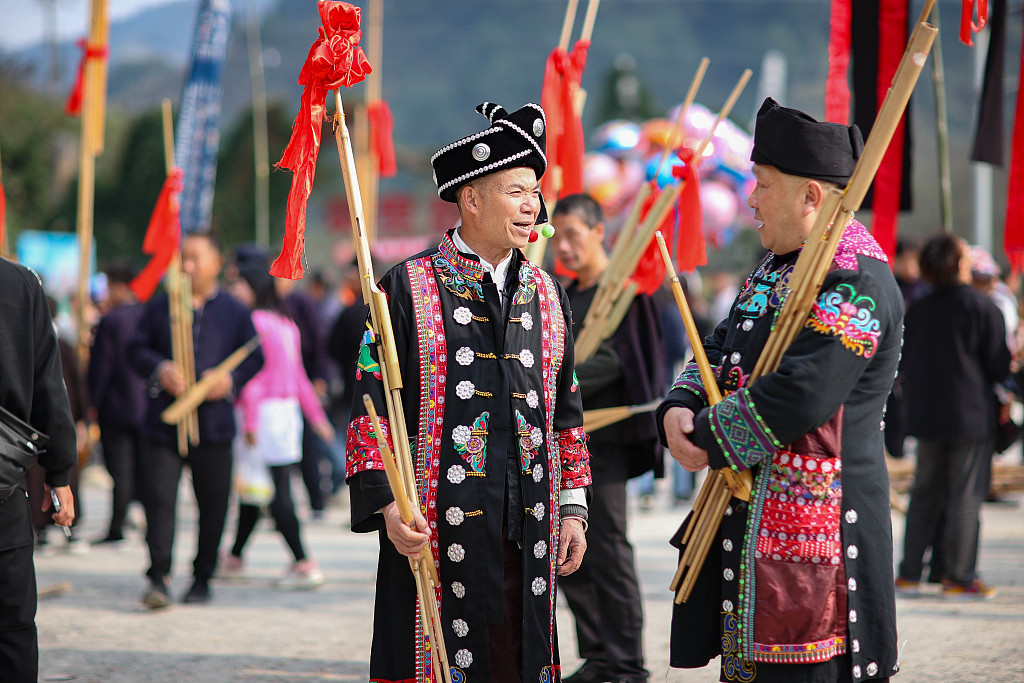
x: 741, y: 432
x: 690, y: 380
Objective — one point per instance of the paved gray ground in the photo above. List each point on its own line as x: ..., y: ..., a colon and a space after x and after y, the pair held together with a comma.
x: 98, y: 630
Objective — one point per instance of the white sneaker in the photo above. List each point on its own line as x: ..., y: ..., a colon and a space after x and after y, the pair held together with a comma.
x: 304, y: 575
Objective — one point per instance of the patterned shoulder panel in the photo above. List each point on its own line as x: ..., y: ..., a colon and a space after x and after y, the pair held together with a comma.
x: 857, y: 241
x: 843, y: 312
x: 461, y: 276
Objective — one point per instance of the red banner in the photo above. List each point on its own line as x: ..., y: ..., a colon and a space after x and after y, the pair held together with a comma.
x: 163, y: 237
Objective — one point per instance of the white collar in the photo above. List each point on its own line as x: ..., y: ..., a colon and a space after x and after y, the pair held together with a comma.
x: 498, y: 273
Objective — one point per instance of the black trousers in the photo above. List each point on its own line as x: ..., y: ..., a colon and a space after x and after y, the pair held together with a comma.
x: 211, y: 480
x: 120, y: 455
x: 313, y: 456
x: 604, y: 594
x: 19, y: 647
x: 282, y: 509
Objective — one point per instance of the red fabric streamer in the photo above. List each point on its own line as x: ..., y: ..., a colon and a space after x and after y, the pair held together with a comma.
x: 73, y: 105
x: 892, y: 38
x: 682, y: 229
x: 563, y: 74
x: 1013, y: 232
x: 335, y: 60
x: 837, y: 89
x: 381, y: 141
x: 967, y: 25
x: 163, y: 236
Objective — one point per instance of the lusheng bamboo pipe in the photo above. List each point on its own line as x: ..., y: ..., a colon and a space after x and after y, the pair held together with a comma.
x: 391, y: 374
x: 186, y: 404
x: 423, y: 567
x: 602, y: 417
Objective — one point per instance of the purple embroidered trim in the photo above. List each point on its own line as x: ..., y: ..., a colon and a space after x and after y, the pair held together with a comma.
x: 744, y: 437
x: 690, y: 380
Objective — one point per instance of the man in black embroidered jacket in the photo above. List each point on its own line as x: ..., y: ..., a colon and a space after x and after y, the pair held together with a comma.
x: 798, y: 586
x: 485, y: 348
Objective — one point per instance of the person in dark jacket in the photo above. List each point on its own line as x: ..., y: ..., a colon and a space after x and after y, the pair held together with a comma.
x: 220, y: 325
x: 798, y: 584
x: 954, y: 353
x: 32, y: 390
x: 627, y: 369
x: 118, y: 395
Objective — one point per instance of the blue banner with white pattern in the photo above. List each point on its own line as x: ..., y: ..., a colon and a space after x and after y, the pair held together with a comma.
x: 198, y: 133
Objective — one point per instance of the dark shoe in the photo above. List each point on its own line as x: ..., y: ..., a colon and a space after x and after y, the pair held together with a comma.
x: 199, y: 592
x: 590, y: 672
x: 108, y: 540
x: 157, y: 596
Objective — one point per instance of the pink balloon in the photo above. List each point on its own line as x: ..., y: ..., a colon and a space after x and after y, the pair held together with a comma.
x: 719, y: 206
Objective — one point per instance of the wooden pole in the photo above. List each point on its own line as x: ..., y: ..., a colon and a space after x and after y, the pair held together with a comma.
x: 677, y: 127
x: 367, y: 163
x: 260, y: 143
x: 942, y: 131
x: 5, y: 249
x: 589, y: 19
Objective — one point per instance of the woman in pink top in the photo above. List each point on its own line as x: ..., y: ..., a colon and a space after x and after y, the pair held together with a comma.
x: 269, y: 410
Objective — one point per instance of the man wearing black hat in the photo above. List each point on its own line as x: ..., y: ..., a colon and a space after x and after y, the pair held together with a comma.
x: 484, y: 341
x: 801, y: 586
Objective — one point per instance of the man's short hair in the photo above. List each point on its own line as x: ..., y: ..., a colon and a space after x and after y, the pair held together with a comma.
x: 582, y: 206
x: 120, y: 272
x: 940, y: 261
x: 211, y: 236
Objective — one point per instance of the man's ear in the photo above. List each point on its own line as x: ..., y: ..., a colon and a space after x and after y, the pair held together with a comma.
x: 470, y: 198
x: 599, y: 231
x: 814, y: 196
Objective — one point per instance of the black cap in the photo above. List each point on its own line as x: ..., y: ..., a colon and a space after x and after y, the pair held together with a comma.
x: 796, y: 144
x: 515, y: 140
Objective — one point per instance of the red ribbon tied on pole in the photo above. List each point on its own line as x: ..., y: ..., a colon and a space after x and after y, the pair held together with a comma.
x: 73, y: 105
x: 335, y: 61
x: 163, y: 236
x: 967, y: 25
x: 563, y: 74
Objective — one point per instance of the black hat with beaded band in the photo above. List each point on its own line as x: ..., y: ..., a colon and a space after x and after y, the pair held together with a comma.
x: 513, y: 140
x: 795, y: 143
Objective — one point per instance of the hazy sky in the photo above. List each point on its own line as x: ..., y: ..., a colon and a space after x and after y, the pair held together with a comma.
x: 25, y: 21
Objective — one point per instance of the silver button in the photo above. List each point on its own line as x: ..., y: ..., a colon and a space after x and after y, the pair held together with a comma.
x: 748, y: 325
x: 727, y: 545
x: 852, y: 584
x: 735, y: 358
x: 856, y: 671
x: 853, y: 616
x: 872, y: 668
x: 728, y: 574
x: 727, y: 605
x: 481, y: 151
x: 460, y: 627
x: 728, y: 511
x: 851, y: 516
x: 852, y: 552
x: 855, y: 644
x: 538, y: 128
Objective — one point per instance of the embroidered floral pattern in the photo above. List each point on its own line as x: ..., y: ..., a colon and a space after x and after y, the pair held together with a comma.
x: 575, y: 458
x: 361, y: 445
x: 471, y: 442
x: 845, y: 314
x: 738, y: 428
x: 527, y: 287
x: 856, y: 240
x: 765, y: 290
x: 734, y: 666
x: 530, y: 439
x: 459, y: 275
x: 806, y: 653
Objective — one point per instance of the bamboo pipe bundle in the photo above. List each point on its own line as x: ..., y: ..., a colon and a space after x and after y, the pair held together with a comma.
x: 423, y: 568
x: 596, y: 324
x: 598, y: 418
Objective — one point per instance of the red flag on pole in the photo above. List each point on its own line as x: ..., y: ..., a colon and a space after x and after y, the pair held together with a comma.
x: 837, y: 89
x: 562, y: 77
x: 967, y: 25
x: 381, y: 139
x: 163, y: 236
x: 334, y: 61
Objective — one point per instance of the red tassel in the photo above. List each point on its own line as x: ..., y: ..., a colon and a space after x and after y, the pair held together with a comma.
x: 163, y: 236
x: 889, y: 178
x: 563, y: 74
x: 73, y: 105
x: 335, y: 60
x: 1013, y: 233
x: 967, y: 24
x: 837, y: 88
x: 381, y: 137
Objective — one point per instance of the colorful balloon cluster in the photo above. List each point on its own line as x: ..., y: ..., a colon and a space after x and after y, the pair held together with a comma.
x: 623, y: 155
